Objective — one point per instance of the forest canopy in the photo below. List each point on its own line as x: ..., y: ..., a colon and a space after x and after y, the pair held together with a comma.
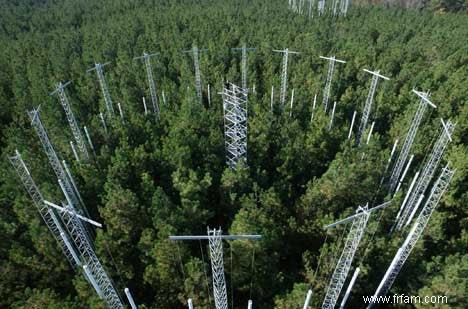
x: 152, y: 176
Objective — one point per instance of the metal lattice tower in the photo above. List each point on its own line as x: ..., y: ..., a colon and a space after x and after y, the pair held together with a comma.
x: 428, y: 171
x: 344, y: 263
x: 105, y: 91
x: 311, y: 5
x: 53, y: 158
x: 244, y: 49
x: 405, y: 149
x: 321, y: 7
x: 215, y: 238
x: 331, y: 69
x: 149, y: 72
x: 359, y: 222
x: 91, y: 264
x: 217, y: 268
x: 36, y: 196
x: 368, y: 105
x: 344, y: 5
x: 60, y: 89
x: 404, y: 251
x: 198, y: 85
x: 71, y: 219
x: 284, y: 73
x: 235, y: 125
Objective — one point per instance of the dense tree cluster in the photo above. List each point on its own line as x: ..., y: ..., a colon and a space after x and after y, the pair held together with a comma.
x: 154, y: 178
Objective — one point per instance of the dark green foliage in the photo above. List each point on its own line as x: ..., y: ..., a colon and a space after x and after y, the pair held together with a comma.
x: 154, y: 178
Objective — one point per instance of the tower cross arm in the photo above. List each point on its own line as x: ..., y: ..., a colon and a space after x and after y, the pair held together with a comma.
x: 425, y: 97
x: 242, y: 48
x: 350, y: 218
x: 145, y: 55
x: 332, y: 59
x: 97, y: 65
x: 60, y: 87
x: 201, y: 237
x: 62, y: 209
x: 377, y: 73
x: 286, y: 51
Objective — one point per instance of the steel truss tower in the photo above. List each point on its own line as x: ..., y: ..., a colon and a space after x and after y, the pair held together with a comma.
x: 284, y: 73
x: 368, y: 105
x: 198, y: 85
x: 344, y: 263
x: 244, y: 49
x: 217, y: 268
x: 60, y: 89
x: 235, y: 125
x: 54, y: 160
x: 105, y: 91
x: 47, y: 215
x: 215, y: 238
x: 91, y: 265
x: 405, y: 149
x: 404, y: 251
x: 331, y: 69
x: 149, y: 72
x: 427, y: 172
x: 359, y: 222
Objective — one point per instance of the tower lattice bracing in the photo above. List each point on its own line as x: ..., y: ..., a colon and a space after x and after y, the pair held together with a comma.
x: 198, y: 85
x: 53, y: 159
x: 60, y: 89
x: 217, y: 268
x: 94, y: 268
x: 235, y: 125
x: 105, y: 91
x: 149, y: 72
x: 47, y: 215
x: 405, y: 149
x: 438, y: 190
x: 427, y: 172
x: 344, y: 263
x: 244, y: 51
x: 368, y: 104
x: 196, y: 64
x: 326, y: 91
x: 284, y: 78
x: 284, y: 74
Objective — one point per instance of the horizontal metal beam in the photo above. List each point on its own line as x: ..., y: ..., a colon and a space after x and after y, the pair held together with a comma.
x: 200, y: 237
x: 332, y: 59
x: 145, y: 55
x: 59, y: 87
x: 377, y: 74
x: 240, y: 48
x: 62, y: 209
x: 285, y: 51
x: 357, y: 215
x: 96, y: 65
x: 191, y: 50
x: 424, y: 96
